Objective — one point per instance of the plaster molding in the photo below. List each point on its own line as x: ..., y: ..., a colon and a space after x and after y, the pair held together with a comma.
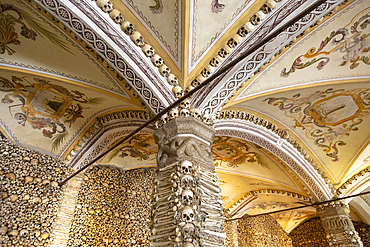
x: 238, y: 205
x: 315, y: 186
x: 85, y: 20
x: 213, y: 98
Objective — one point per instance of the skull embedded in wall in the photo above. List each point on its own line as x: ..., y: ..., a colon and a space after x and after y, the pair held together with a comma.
x: 156, y: 60
x: 195, y: 113
x: 245, y: 29
x: 174, y: 113
x: 257, y: 18
x: 224, y: 51
x: 116, y: 16
x: 184, y: 113
x: 187, y: 181
x: 207, y: 119
x: 268, y: 6
x: 148, y: 50
x: 105, y: 5
x: 234, y: 41
x: 172, y: 79
x: 186, y: 167
x: 188, y: 232
x: 207, y: 71
x: 216, y: 61
x: 187, y: 214
x: 127, y: 27
x: 198, y: 80
x: 185, y: 104
x: 137, y: 38
x: 187, y: 197
x: 164, y: 118
x: 188, y: 89
x: 178, y: 91
x: 164, y: 70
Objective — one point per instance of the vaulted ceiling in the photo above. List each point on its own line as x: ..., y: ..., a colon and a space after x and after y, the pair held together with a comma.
x: 291, y: 119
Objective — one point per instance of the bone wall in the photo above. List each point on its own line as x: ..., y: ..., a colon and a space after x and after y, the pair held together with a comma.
x: 261, y: 231
x: 113, y: 208
x: 364, y: 232
x: 311, y: 234
x: 29, y: 195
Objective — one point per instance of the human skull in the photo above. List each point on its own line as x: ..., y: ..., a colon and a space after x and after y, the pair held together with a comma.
x: 198, y: 80
x: 206, y: 118
x: 195, y: 113
x: 234, y: 41
x: 164, y: 70
x: 164, y: 118
x: 184, y: 113
x: 186, y: 167
x: 158, y: 124
x: 207, y: 71
x: 187, y: 214
x: 216, y: 61
x: 174, y: 113
x: 268, y: 6
x: 187, y: 181
x: 148, y: 50
x: 127, y: 27
x: 188, y: 89
x: 188, y: 232
x: 178, y: 91
x: 245, y: 29
x: 257, y: 18
x: 172, y: 79
x: 116, y: 16
x: 137, y: 38
x: 184, y: 104
x: 224, y: 51
x: 156, y: 60
x: 105, y: 5
x: 187, y: 197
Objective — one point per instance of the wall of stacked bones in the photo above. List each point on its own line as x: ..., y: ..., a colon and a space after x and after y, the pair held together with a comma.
x: 29, y: 195
x: 363, y: 231
x: 262, y: 231
x: 309, y: 234
x: 113, y: 207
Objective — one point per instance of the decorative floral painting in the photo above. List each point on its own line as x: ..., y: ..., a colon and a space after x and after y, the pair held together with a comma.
x: 234, y: 152
x: 140, y: 146
x: 11, y: 17
x: 44, y: 106
x: 326, y: 116
x: 352, y: 41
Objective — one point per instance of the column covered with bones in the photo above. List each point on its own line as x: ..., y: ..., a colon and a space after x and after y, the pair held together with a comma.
x: 187, y: 202
x: 338, y: 225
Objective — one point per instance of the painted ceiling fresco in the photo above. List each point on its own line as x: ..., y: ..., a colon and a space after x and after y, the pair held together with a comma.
x: 331, y: 120
x: 29, y: 41
x: 327, y: 72
x: 334, y: 52
x: 50, y: 111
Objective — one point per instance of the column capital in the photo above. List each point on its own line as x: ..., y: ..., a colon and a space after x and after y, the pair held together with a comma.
x: 184, y: 137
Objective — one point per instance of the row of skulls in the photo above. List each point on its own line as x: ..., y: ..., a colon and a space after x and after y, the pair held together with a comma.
x: 233, y: 42
x: 129, y: 29
x: 184, y: 111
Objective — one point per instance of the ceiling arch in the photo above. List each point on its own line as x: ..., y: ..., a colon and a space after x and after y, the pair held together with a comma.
x: 313, y: 182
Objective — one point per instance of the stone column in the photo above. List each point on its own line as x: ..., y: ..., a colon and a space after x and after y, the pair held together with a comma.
x: 187, y: 201
x: 338, y: 226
